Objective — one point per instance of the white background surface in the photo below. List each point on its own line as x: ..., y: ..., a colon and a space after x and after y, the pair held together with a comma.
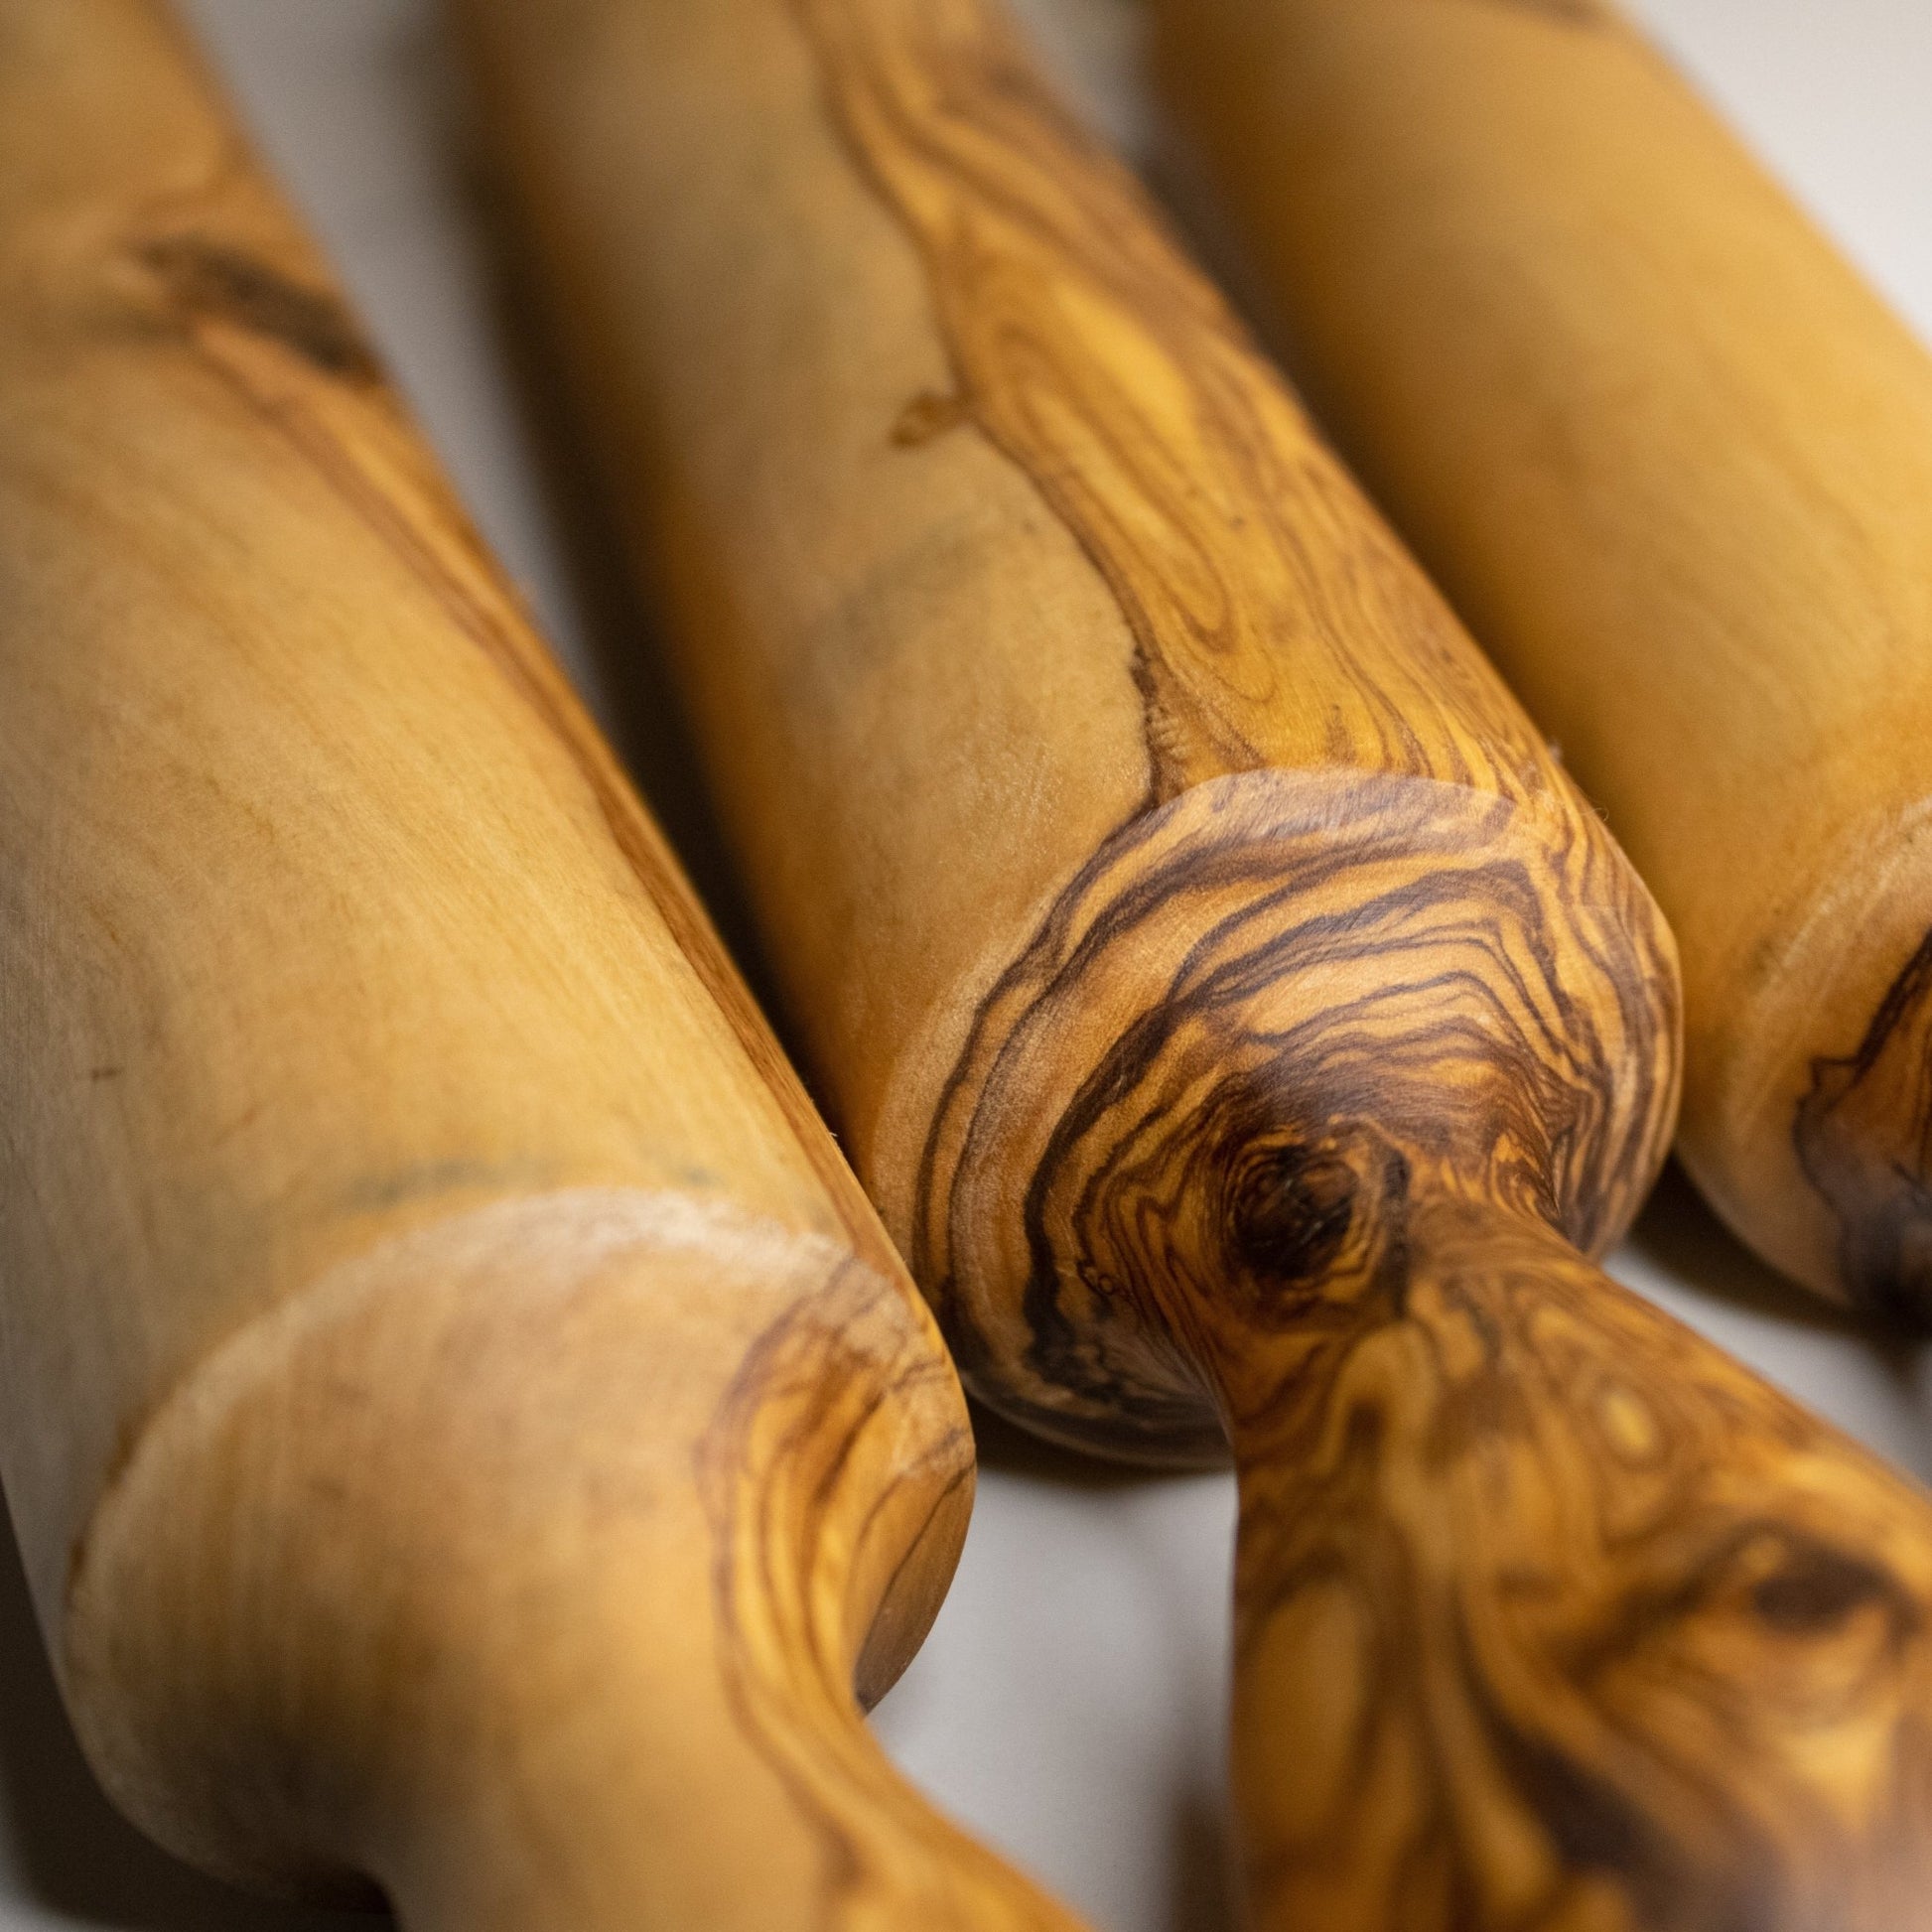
x: 1069, y: 1703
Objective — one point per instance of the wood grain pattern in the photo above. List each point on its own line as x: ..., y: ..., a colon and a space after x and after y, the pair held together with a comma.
x: 1670, y: 456
x: 1878, y: 1098
x: 1120, y: 383
x: 1298, y: 1004
x: 1563, y: 1621
x: 469, y: 1433
x: 1240, y: 1018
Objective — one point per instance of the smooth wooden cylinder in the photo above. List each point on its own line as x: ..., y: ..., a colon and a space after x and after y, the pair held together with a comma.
x: 465, y: 1428
x: 1672, y: 461
x: 1237, y: 1015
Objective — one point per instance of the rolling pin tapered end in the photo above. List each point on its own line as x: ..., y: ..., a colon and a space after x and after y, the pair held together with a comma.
x: 529, y: 1564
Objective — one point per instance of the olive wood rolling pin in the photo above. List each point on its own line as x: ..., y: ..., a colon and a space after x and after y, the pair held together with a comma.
x: 465, y: 1425
x: 1235, y: 1011
x: 1672, y: 461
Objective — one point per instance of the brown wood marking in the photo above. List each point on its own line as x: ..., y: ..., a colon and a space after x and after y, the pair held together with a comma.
x: 1091, y: 354
x: 209, y: 280
x: 786, y: 1470
x: 290, y: 349
x: 927, y: 417
x: 1570, y: 13
x: 1859, y: 1110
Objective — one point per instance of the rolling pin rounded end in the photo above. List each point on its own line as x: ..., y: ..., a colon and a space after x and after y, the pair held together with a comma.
x: 578, y: 1511
x: 1265, y: 1018
x: 1808, y: 1121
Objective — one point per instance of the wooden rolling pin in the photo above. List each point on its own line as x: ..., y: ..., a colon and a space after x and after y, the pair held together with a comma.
x: 1672, y: 461
x: 465, y: 1425
x: 1237, y: 1015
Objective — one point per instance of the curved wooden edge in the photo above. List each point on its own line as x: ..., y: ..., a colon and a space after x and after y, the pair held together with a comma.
x: 525, y: 1566
x: 1264, y: 1020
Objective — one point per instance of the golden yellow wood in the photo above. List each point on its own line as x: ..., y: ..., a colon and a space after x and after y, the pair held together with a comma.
x: 1674, y: 462
x: 466, y: 1426
x: 1237, y: 1015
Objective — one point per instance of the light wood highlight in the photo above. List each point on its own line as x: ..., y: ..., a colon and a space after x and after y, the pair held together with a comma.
x: 1238, y: 1016
x: 467, y: 1431
x: 1672, y: 461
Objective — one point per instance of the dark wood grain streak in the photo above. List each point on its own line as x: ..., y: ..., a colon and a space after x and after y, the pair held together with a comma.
x: 791, y: 1471
x: 209, y: 279
x: 1864, y: 1137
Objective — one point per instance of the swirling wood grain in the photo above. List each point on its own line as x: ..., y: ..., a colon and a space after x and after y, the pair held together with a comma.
x: 1292, y: 1122
x: 1192, y: 1067
x: 1550, y: 1616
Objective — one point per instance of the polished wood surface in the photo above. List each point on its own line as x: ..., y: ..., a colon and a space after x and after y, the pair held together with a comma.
x: 1672, y: 461
x: 466, y: 1426
x: 1235, y: 1011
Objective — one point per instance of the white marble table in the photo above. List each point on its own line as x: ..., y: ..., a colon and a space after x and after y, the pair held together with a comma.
x: 1068, y: 1704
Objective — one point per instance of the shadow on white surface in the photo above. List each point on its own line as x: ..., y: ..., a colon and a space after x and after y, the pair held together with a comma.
x: 1070, y: 1704
x: 1201, y: 1876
